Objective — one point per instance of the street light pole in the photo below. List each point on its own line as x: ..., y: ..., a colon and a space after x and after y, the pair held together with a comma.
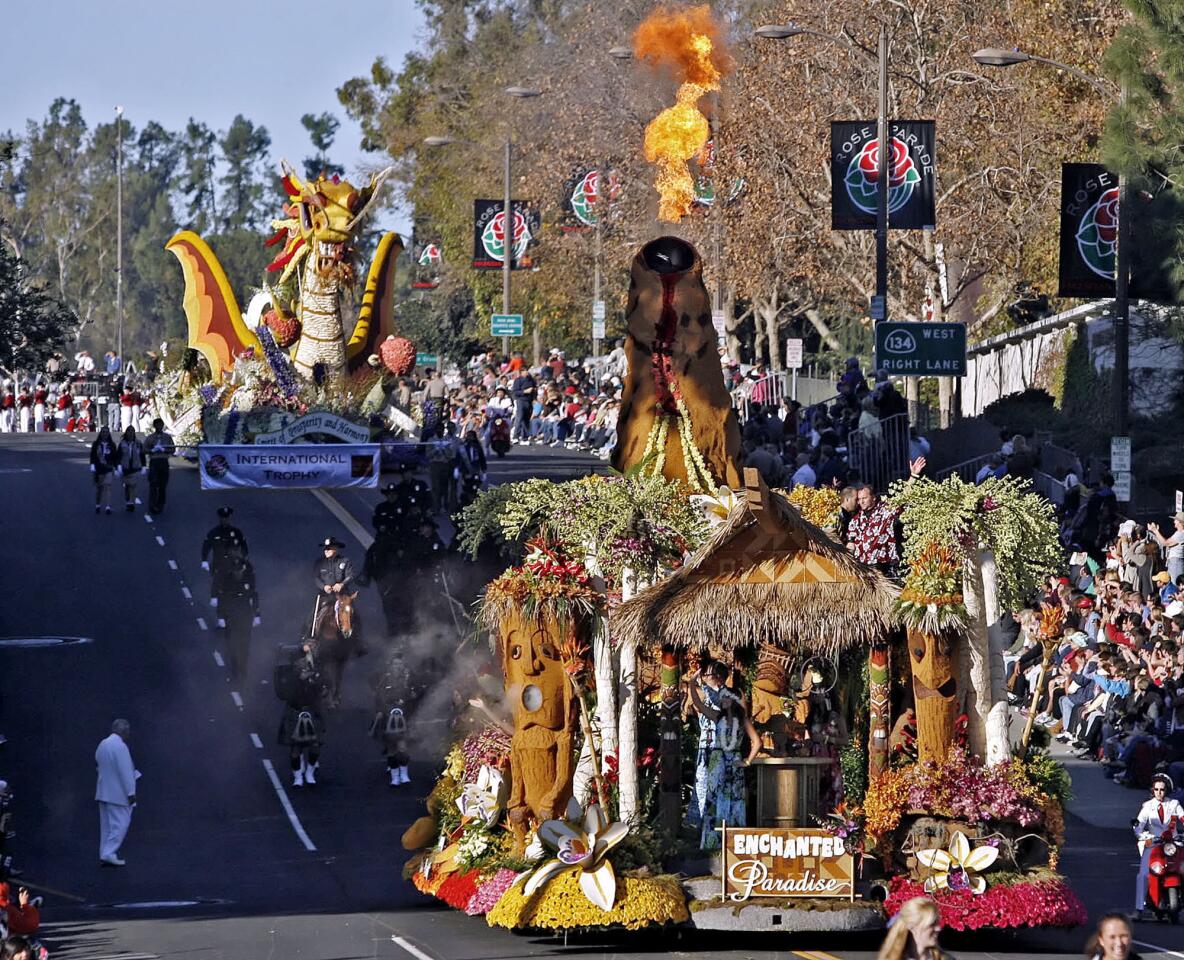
x: 119, y: 232
x: 1001, y: 57
x: 507, y: 244
x: 1122, y: 309
x: 602, y: 187
x: 885, y: 175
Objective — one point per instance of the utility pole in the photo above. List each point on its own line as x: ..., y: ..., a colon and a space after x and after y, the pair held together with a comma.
x: 885, y: 175
x: 119, y: 231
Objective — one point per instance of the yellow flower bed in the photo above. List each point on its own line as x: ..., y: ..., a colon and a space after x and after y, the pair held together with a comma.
x: 820, y: 507
x: 561, y: 905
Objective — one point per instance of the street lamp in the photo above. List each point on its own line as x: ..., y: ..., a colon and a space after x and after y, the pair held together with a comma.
x: 519, y: 93
x: 784, y: 31
x: 119, y: 232
x: 998, y: 57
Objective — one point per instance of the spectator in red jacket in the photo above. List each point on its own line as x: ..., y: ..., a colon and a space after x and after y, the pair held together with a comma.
x: 23, y: 916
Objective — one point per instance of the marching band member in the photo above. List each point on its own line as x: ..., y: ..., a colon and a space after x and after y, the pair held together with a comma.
x: 7, y: 410
x: 40, y: 398
x: 65, y: 407
x: 25, y: 409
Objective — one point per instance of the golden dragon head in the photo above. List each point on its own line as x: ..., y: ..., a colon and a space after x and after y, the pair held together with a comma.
x: 321, y: 217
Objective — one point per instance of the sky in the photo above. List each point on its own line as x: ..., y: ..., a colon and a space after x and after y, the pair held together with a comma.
x: 164, y: 60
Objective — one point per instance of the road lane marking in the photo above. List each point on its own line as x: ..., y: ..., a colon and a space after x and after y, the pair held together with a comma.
x: 147, y: 518
x: 1152, y: 946
x: 201, y: 623
x: 218, y: 659
x: 237, y: 698
x: 160, y: 541
x: 411, y: 948
x: 172, y: 564
x: 287, y: 805
x: 255, y: 740
x: 185, y: 592
x: 333, y: 505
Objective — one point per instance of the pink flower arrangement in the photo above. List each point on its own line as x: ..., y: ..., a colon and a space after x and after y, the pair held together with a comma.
x: 490, y: 892
x: 1039, y: 903
x: 489, y: 746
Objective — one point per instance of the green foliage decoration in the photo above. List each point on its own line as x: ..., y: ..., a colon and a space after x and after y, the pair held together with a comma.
x: 999, y: 514
x: 645, y: 524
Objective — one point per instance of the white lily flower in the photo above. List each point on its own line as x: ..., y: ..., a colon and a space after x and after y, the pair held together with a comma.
x: 581, y: 840
x: 955, y: 868
x: 716, y: 507
x: 485, y: 799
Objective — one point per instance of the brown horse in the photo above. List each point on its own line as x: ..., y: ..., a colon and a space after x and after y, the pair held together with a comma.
x: 333, y: 633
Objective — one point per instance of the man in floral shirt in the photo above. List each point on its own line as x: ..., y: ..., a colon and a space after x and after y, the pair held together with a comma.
x: 874, y: 534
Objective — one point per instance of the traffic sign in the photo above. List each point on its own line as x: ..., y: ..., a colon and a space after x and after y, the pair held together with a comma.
x: 1122, y: 486
x: 793, y: 354
x: 506, y: 324
x: 921, y: 349
x: 719, y: 321
x: 598, y: 328
x: 1179, y: 500
x: 1120, y: 455
x: 427, y: 360
x: 598, y: 310
x: 879, y: 307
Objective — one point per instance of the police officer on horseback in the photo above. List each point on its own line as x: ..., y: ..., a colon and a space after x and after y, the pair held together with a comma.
x: 332, y: 572
x: 335, y: 626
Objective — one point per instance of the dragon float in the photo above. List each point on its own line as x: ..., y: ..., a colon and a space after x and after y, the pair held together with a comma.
x: 303, y: 308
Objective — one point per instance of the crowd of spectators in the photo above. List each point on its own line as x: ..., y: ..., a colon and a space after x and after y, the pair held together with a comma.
x: 20, y: 915
x: 815, y: 446
x: 1114, y: 688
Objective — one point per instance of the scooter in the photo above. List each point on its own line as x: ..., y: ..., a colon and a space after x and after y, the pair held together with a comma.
x: 1166, y: 873
x: 499, y: 437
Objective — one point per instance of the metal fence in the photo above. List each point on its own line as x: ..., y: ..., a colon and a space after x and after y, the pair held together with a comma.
x: 880, y: 452
x: 775, y: 387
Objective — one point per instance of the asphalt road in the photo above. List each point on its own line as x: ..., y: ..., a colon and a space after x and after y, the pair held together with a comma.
x: 221, y: 862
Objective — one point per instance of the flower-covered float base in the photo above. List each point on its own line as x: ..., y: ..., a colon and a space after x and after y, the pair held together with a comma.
x: 1040, y: 900
x: 561, y: 905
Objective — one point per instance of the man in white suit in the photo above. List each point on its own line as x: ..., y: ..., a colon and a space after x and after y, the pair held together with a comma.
x: 116, y: 792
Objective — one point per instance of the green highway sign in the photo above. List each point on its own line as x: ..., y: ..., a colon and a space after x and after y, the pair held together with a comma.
x: 427, y: 360
x: 506, y: 324
x: 921, y: 349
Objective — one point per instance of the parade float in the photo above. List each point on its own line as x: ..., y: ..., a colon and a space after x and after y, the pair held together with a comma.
x: 697, y: 707
x: 286, y: 370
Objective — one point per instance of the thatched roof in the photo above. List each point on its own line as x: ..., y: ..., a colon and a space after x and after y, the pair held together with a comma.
x: 767, y: 576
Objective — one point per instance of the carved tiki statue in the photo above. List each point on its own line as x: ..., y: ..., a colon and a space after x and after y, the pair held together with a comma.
x: 544, y: 712
x: 674, y: 369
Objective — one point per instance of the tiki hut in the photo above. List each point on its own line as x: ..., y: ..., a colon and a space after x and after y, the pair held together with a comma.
x: 768, y: 578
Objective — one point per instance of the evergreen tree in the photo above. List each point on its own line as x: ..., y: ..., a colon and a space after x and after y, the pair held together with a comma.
x: 1144, y: 142
x: 245, y: 183
x: 33, y: 323
x: 196, y: 182
x: 322, y: 130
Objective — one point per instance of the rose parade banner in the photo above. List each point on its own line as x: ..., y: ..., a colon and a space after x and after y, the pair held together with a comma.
x: 489, y: 234
x: 855, y: 169
x: 327, y: 423
x: 785, y: 862
x: 300, y: 466
x: 1089, y: 230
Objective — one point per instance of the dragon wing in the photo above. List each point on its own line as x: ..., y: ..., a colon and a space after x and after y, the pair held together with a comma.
x: 216, y: 328
x: 376, y: 320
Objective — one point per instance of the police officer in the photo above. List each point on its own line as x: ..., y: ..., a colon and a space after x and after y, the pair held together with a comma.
x: 238, y: 608
x: 217, y: 544
x: 388, y: 513
x: 333, y: 573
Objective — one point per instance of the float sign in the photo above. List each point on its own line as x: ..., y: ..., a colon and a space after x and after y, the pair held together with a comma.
x: 301, y: 466
x: 783, y: 862
x: 921, y: 349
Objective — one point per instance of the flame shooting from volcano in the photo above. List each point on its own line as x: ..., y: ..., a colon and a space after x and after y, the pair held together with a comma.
x: 688, y: 41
